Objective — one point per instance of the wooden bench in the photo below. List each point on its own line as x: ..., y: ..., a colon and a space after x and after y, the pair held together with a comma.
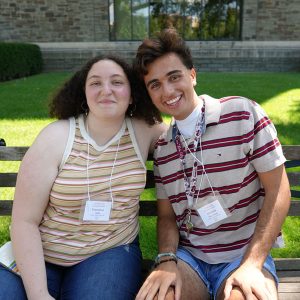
x: 288, y: 268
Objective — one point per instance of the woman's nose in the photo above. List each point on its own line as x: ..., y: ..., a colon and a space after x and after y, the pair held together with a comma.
x: 106, y: 88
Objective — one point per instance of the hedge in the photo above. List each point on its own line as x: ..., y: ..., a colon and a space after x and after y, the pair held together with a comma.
x: 19, y: 60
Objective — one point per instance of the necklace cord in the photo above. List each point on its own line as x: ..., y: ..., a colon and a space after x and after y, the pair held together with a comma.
x: 87, y: 167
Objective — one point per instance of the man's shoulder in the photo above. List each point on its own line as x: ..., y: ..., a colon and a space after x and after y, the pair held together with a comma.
x: 164, y: 145
x: 237, y: 101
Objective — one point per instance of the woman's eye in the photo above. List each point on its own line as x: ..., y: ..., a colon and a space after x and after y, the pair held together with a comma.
x: 117, y: 82
x: 96, y: 83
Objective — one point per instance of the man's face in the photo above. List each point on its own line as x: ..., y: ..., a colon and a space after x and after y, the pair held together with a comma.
x: 171, y: 86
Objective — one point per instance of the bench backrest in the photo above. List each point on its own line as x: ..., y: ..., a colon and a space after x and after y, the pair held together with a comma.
x: 148, y: 207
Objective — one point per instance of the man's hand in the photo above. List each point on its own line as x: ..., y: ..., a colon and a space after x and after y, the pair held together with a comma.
x: 251, y: 281
x: 159, y: 281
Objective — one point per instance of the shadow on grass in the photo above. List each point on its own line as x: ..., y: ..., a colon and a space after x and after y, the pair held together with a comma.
x: 257, y: 86
x: 288, y: 134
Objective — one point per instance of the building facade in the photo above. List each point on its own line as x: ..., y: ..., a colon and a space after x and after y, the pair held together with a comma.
x: 263, y: 35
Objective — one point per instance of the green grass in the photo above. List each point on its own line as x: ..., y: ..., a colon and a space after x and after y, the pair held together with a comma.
x: 23, y: 113
x: 277, y: 93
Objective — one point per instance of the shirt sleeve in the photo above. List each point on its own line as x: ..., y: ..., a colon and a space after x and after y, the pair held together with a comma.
x: 265, y: 149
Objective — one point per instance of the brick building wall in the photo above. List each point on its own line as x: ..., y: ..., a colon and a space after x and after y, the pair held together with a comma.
x: 271, y: 20
x: 87, y: 20
x: 71, y: 31
x: 53, y: 20
x: 278, y: 20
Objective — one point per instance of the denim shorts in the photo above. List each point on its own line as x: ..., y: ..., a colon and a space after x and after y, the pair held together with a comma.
x: 111, y: 274
x: 213, y: 275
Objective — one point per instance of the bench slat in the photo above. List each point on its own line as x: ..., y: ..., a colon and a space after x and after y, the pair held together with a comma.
x: 12, y: 153
x: 289, y: 276
x: 5, y: 207
x: 294, y: 208
x: 291, y: 152
x: 150, y: 179
x: 288, y: 287
x: 290, y: 264
x: 147, y: 208
x: 294, y: 178
x: 8, y: 179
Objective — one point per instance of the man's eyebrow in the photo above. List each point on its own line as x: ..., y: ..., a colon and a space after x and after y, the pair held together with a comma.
x: 173, y: 72
x: 168, y: 74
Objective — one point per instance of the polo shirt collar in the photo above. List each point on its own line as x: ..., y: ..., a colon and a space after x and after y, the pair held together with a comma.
x: 212, y: 113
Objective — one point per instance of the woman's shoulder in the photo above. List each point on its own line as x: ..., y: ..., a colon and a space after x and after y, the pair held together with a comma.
x: 52, y: 137
x: 148, y: 134
x: 56, y: 129
x: 156, y: 129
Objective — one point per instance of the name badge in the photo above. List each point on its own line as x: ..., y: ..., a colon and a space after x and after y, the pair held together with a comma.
x: 212, y: 213
x: 212, y: 209
x: 97, y: 210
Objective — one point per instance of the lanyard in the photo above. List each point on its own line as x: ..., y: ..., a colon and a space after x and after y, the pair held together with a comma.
x: 87, y: 167
x: 190, y: 185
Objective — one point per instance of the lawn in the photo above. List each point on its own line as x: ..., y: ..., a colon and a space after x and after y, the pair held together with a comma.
x: 23, y: 113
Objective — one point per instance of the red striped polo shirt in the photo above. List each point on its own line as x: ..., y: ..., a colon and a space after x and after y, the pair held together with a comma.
x: 239, y: 141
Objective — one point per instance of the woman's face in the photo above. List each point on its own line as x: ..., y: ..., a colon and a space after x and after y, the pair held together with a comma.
x: 107, y: 90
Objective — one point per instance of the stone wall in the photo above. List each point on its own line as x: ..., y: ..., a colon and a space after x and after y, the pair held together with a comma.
x: 208, y: 56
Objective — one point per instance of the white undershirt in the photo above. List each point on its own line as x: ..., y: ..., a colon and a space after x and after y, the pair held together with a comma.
x: 187, y: 126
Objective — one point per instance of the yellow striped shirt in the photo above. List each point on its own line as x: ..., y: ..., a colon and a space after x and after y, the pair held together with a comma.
x: 66, y: 239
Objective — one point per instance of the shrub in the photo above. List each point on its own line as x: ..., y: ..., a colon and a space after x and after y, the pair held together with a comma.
x: 19, y: 60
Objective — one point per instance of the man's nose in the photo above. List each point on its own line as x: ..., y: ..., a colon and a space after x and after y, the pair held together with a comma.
x: 167, y: 90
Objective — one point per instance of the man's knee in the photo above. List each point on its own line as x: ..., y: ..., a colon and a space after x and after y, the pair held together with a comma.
x: 193, y: 288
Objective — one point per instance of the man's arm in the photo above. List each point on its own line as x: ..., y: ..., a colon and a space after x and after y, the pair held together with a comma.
x: 274, y: 210
x: 165, y: 274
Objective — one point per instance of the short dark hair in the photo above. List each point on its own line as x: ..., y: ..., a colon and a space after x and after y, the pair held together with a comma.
x: 70, y: 100
x: 166, y: 41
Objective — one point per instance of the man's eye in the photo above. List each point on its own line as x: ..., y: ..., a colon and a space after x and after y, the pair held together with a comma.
x: 154, y: 86
x: 174, y: 77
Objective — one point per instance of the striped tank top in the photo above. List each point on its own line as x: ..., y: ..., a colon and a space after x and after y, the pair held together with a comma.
x: 66, y: 239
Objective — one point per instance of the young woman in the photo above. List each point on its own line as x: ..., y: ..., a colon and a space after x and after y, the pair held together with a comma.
x: 75, y: 214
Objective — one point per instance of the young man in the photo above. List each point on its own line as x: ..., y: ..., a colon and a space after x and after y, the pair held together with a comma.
x: 221, y: 185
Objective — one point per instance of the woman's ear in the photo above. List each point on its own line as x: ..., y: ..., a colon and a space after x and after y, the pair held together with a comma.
x: 194, y: 76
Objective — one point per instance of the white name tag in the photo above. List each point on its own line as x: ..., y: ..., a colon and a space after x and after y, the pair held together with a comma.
x: 97, y: 211
x: 212, y: 212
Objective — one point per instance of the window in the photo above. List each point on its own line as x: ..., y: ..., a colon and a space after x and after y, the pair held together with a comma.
x: 194, y: 19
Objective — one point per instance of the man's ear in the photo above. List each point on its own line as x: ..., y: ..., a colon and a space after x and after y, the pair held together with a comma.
x: 194, y: 76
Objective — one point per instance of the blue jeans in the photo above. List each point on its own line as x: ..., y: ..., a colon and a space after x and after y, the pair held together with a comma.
x: 213, y: 275
x: 110, y: 275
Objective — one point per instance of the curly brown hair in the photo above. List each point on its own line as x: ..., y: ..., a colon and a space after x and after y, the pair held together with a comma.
x: 70, y: 100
